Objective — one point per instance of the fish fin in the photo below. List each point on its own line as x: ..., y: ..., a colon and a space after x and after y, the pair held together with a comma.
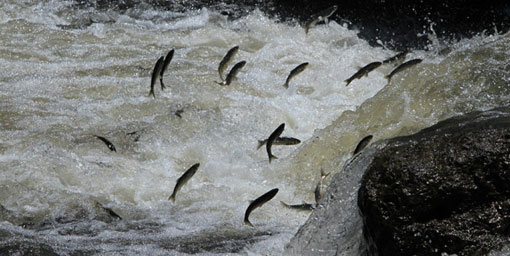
x: 247, y: 222
x: 250, y: 201
x: 261, y: 143
x: 366, y: 75
x: 162, y: 84
x: 271, y: 157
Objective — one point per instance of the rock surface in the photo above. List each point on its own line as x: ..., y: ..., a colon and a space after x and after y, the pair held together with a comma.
x: 443, y: 190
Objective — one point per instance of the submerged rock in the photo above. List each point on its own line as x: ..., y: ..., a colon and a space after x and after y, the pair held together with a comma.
x: 445, y: 189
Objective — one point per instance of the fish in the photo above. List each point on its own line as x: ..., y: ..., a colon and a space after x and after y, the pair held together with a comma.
x: 109, y: 211
x: 167, y: 60
x: 107, y: 142
x: 183, y: 180
x: 226, y: 59
x: 295, y: 72
x: 258, y: 203
x: 280, y: 141
x: 276, y: 133
x: 233, y: 72
x: 320, y: 16
x: 299, y: 207
x: 179, y: 112
x: 317, y: 191
x: 362, y: 144
x: 402, y: 66
x: 155, y: 74
x: 363, y: 71
x: 397, y: 59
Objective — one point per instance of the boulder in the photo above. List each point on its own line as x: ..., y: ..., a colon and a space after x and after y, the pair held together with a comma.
x: 445, y: 189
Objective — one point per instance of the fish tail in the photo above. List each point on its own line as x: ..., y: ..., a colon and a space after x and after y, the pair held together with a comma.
x: 388, y: 78
x: 271, y: 157
x: 152, y: 93
x: 221, y: 83
x: 348, y: 81
x: 162, y: 84
x: 286, y: 85
x: 261, y: 143
x: 284, y: 204
x: 247, y: 222
x: 172, y: 197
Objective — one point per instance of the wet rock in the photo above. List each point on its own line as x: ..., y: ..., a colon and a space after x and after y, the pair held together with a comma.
x: 442, y: 190
x: 335, y: 226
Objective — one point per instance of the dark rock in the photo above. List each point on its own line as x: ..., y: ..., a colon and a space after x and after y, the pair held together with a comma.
x: 398, y: 24
x: 444, y: 189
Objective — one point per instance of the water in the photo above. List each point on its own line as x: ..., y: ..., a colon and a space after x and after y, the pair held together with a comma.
x: 67, y: 74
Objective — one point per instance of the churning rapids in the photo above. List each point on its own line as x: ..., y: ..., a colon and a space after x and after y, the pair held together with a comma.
x: 68, y: 74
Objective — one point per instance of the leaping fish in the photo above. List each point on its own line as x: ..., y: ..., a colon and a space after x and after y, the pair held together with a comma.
x: 397, y: 59
x: 258, y: 203
x: 233, y: 73
x: 107, y: 142
x: 109, y: 211
x: 276, y: 133
x: 280, y: 141
x: 295, y: 72
x: 226, y: 59
x: 155, y: 74
x: 183, y: 180
x: 320, y: 16
x: 363, y: 71
x: 362, y: 144
x: 167, y: 60
x: 317, y: 191
x: 403, y: 66
x: 299, y: 207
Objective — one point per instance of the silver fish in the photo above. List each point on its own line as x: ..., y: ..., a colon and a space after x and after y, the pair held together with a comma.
x: 155, y: 74
x: 317, y: 191
x: 362, y: 144
x: 276, y: 133
x: 233, y: 73
x: 109, y: 211
x: 299, y: 207
x: 403, y: 66
x: 280, y: 141
x: 258, y: 203
x: 226, y: 59
x: 397, y: 59
x: 320, y: 16
x: 294, y: 73
x: 363, y: 71
x: 107, y: 142
x: 167, y: 60
x: 183, y: 179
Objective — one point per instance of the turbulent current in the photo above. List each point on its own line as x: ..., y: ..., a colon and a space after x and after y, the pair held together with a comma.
x: 68, y: 74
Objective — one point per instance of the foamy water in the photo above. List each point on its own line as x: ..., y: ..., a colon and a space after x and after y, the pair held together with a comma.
x: 60, y: 85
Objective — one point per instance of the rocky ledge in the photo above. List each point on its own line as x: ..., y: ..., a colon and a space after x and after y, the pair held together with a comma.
x: 445, y: 189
